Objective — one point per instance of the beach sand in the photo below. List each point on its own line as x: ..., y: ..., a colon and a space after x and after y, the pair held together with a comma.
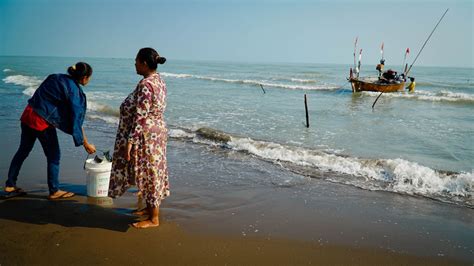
x: 36, y: 231
x: 228, y: 209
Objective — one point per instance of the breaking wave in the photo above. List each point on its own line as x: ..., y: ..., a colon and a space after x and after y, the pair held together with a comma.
x: 394, y: 175
x: 264, y: 83
x: 441, y: 96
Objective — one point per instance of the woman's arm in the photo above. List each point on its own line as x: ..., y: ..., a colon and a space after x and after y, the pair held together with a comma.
x: 90, y: 148
x: 143, y: 102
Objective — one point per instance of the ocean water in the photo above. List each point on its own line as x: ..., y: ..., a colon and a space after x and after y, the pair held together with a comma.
x: 416, y: 145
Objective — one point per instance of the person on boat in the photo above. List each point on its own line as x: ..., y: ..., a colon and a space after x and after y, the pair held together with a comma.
x: 380, y: 67
x: 411, y: 86
x: 388, y: 76
x: 402, y: 77
x: 59, y: 102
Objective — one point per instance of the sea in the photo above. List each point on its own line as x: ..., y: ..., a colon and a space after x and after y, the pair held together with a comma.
x: 417, y: 144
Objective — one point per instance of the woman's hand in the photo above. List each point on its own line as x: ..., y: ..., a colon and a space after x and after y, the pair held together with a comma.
x: 90, y: 148
x: 127, y: 151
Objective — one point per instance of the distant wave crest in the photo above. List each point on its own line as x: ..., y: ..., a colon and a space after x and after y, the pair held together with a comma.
x: 259, y: 82
x: 31, y: 83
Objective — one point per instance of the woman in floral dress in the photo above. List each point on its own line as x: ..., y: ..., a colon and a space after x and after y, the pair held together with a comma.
x: 140, y: 146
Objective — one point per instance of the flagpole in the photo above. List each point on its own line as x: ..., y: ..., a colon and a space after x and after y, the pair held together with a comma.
x: 360, y: 58
x: 355, y: 50
x: 381, y: 51
x: 405, y: 59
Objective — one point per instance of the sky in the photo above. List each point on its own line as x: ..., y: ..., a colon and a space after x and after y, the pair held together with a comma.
x: 261, y: 31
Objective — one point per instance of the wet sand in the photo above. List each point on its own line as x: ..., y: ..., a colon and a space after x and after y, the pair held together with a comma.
x: 74, y: 232
x: 228, y: 209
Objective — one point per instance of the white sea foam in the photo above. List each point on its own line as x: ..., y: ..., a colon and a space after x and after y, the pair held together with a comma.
x: 303, y: 157
x: 446, y: 96
x: 303, y: 80
x: 105, y: 118
x: 7, y: 70
x: 395, y: 175
x: 165, y: 74
x: 94, y: 106
x: 412, y: 178
x: 179, y: 133
x: 105, y: 95
x: 255, y: 82
x: 31, y: 83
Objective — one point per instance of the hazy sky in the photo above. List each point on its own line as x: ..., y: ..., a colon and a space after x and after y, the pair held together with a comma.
x: 243, y: 31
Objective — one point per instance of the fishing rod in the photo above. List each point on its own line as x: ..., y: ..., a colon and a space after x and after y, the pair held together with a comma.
x: 426, y: 42
x: 407, y: 51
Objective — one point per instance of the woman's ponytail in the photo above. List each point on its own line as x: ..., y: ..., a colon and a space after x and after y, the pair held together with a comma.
x: 80, y: 70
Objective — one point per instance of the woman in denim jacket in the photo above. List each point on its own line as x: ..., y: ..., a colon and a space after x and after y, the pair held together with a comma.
x: 59, y: 102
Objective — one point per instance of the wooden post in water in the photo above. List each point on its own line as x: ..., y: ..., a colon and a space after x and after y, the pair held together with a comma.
x: 306, y: 109
x: 376, y: 100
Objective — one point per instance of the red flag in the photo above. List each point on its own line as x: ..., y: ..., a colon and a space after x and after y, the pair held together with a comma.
x: 408, y: 50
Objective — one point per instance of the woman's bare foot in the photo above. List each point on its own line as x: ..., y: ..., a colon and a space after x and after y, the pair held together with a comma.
x: 146, y: 224
x: 141, y: 212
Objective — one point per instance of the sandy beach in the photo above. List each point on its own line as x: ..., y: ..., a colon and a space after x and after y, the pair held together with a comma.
x: 212, y: 219
x: 35, y: 231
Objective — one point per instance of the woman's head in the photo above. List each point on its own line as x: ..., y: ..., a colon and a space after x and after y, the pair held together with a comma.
x: 147, y: 60
x: 81, y: 72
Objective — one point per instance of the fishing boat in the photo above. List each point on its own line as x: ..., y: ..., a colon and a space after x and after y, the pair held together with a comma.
x: 375, y: 84
x: 388, y: 81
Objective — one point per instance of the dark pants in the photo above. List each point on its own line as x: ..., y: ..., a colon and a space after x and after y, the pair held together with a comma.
x: 49, y: 141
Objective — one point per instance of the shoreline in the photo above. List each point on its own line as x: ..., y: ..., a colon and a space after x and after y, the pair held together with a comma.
x: 235, y: 202
x: 248, y: 211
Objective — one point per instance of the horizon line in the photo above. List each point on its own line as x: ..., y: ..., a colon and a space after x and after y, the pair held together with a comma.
x: 221, y: 60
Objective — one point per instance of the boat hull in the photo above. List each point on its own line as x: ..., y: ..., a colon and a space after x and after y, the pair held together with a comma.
x: 359, y: 85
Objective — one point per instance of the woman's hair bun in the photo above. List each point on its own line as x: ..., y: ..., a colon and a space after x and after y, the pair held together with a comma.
x: 161, y: 60
x: 71, y: 70
x: 80, y: 70
x: 150, y: 57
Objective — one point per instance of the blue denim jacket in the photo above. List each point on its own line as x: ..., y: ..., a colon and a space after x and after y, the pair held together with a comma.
x: 62, y: 103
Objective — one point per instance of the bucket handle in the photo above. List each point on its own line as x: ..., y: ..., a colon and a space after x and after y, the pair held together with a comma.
x: 85, y: 161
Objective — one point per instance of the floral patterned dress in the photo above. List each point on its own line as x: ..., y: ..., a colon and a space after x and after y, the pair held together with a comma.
x: 142, y: 124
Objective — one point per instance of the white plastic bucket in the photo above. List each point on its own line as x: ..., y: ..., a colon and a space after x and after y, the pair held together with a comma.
x: 98, y: 177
